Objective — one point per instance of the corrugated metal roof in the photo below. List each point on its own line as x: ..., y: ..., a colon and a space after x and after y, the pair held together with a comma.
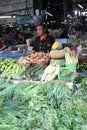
x: 7, y: 6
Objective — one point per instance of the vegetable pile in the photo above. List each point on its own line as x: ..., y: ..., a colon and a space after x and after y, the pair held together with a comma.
x: 51, y: 71
x: 82, y: 67
x: 24, y: 61
x: 35, y: 58
x: 34, y: 72
x: 71, y: 57
x: 9, y: 68
x: 44, y: 106
x: 21, y: 68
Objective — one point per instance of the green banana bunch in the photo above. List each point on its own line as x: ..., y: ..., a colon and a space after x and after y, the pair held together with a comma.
x: 10, y: 68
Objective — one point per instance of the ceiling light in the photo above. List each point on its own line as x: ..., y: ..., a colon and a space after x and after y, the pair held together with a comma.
x: 80, y: 6
x: 49, y: 14
x: 4, y: 17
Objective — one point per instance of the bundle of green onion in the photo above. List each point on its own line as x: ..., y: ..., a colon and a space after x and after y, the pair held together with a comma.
x: 71, y: 57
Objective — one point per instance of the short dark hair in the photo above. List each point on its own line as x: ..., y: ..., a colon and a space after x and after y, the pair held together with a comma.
x: 7, y: 32
x: 42, y: 25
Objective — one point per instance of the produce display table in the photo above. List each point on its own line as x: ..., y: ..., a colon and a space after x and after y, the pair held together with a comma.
x: 63, y: 40
x: 65, y: 43
x: 82, y: 58
x: 32, y: 102
x: 5, y: 55
x: 13, y: 54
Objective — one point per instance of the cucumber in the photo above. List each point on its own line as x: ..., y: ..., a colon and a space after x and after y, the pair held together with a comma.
x: 39, y: 71
x: 28, y: 71
x: 35, y: 70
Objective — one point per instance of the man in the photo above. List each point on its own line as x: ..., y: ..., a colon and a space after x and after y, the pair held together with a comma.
x: 9, y: 41
x: 43, y: 41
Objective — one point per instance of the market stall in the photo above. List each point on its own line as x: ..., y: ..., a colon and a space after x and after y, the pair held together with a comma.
x: 44, y: 90
x: 36, y: 87
x: 60, y: 56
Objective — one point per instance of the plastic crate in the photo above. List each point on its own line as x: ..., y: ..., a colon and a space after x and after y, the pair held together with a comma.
x: 67, y: 74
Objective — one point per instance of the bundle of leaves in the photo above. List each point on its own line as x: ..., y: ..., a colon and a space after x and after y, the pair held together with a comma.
x: 42, y: 106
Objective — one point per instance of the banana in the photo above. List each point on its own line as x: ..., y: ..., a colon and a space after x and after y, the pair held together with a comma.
x: 10, y: 68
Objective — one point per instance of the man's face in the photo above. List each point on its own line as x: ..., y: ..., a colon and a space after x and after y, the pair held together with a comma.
x: 8, y: 36
x: 40, y: 30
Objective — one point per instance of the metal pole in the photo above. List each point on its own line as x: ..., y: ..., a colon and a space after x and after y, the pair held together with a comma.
x: 40, y: 5
x: 65, y: 8
x: 26, y: 12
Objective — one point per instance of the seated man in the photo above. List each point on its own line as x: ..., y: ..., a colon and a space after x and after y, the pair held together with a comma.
x: 9, y: 41
x: 21, y: 38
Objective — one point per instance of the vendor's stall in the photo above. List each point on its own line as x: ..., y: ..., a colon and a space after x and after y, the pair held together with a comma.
x: 36, y: 87
x: 44, y: 90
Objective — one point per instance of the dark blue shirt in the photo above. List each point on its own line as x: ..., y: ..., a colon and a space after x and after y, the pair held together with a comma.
x: 10, y: 42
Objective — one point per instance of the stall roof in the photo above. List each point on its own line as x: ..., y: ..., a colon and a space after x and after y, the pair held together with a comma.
x: 14, y: 6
